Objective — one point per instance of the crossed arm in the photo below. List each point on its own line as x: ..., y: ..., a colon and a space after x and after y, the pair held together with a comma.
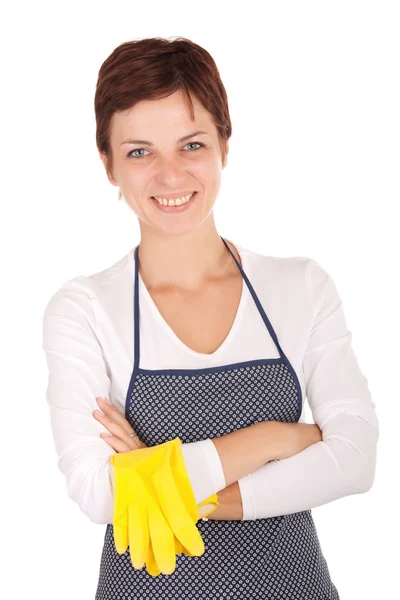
x: 341, y: 464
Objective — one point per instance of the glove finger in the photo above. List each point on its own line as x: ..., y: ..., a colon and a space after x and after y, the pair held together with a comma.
x: 120, y: 527
x: 162, y: 537
x: 178, y: 518
x: 138, y: 531
x: 185, y: 551
x: 151, y: 565
x: 120, y: 516
x: 178, y: 546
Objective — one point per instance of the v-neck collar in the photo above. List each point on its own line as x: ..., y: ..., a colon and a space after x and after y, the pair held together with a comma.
x: 238, y: 316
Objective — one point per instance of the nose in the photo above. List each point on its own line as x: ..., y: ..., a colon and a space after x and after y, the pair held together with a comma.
x: 171, y: 173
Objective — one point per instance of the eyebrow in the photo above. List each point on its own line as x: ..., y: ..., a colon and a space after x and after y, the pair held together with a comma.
x: 182, y: 139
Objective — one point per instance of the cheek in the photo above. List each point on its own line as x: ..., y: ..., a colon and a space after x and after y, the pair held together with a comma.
x: 213, y: 177
x: 209, y: 171
x: 136, y: 181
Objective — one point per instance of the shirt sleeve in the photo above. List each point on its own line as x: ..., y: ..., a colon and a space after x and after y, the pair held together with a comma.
x: 77, y: 374
x: 344, y: 462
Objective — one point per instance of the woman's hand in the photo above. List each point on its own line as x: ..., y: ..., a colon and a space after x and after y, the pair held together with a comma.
x: 118, y: 427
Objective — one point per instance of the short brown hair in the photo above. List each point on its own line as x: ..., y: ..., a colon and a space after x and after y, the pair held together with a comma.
x: 154, y: 68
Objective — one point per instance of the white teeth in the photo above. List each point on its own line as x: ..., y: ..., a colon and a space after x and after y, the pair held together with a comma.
x: 177, y: 202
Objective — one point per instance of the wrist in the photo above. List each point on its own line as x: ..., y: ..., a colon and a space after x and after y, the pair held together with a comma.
x: 230, y: 504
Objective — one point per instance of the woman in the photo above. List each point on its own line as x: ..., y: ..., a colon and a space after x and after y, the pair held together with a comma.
x: 226, y: 345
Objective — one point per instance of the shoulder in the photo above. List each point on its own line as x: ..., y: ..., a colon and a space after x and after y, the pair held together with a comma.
x: 77, y: 295
x: 282, y: 270
x: 299, y: 280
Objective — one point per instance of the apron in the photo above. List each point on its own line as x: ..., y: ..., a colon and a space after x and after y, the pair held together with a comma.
x: 273, y: 558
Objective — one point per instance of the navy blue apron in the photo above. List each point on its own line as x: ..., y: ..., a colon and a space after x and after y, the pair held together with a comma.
x: 273, y: 558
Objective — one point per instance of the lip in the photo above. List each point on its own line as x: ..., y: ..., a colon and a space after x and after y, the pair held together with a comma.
x: 175, y: 209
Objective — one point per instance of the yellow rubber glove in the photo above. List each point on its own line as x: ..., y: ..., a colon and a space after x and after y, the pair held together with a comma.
x: 212, y: 500
x: 151, y: 563
x: 181, y: 476
x: 149, y: 511
x: 183, y: 484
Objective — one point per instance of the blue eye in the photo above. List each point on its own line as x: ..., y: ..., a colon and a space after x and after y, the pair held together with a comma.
x: 198, y: 143
x: 130, y: 154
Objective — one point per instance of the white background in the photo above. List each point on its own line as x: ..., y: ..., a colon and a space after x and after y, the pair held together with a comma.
x: 313, y: 170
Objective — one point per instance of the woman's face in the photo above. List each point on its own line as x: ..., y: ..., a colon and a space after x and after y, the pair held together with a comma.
x: 164, y: 165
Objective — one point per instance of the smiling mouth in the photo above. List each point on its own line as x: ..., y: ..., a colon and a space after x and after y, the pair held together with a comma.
x: 171, y: 202
x: 175, y: 209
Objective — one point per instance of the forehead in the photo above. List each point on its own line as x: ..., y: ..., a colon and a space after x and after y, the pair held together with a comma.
x: 149, y: 118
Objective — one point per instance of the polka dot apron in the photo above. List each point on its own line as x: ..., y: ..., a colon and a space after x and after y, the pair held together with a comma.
x: 273, y: 558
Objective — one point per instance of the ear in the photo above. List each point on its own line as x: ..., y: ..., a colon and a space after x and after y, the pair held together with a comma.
x: 225, y: 162
x: 104, y: 160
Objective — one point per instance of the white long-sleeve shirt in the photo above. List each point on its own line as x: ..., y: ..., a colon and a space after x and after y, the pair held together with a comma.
x: 88, y: 339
